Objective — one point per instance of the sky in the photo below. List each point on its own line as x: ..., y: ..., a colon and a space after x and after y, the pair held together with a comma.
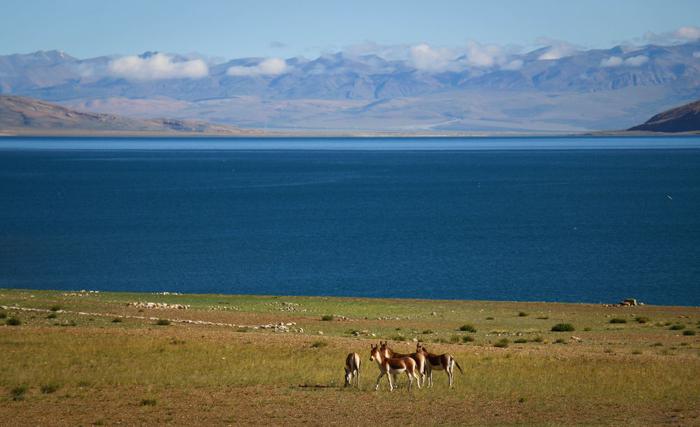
x: 232, y: 29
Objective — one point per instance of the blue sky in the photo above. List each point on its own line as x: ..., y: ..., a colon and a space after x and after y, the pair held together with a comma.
x: 287, y: 28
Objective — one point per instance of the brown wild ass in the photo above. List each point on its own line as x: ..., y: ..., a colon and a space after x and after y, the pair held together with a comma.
x: 390, y: 366
x: 419, y: 357
x: 439, y: 362
x: 352, y: 370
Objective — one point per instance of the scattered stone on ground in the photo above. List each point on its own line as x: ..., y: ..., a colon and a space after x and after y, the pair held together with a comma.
x: 160, y: 305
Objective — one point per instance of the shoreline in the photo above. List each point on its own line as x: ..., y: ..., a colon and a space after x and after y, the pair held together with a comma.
x: 346, y: 298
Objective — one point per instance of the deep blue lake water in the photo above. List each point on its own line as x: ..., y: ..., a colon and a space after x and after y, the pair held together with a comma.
x: 542, y: 219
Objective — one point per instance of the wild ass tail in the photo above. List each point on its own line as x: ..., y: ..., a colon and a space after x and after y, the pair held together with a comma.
x: 459, y: 367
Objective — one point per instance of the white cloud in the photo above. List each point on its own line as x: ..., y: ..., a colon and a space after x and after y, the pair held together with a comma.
x: 556, y: 49
x: 473, y: 55
x: 681, y: 35
x: 267, y: 67
x: 613, y: 61
x: 616, y: 61
x: 156, y: 67
x: 687, y: 33
x: 513, y: 65
x: 426, y: 58
x: 636, y: 61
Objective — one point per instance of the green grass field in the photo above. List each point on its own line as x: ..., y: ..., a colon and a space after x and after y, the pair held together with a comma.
x: 91, y: 359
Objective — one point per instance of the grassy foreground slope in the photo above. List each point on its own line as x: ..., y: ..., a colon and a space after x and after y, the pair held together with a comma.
x: 82, y: 358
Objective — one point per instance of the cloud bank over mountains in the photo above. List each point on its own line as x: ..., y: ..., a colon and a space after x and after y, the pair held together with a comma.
x: 556, y: 86
x: 422, y: 57
x: 156, y: 67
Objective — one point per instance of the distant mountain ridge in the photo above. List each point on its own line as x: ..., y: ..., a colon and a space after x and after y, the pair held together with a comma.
x: 685, y: 118
x: 26, y: 115
x: 586, y: 90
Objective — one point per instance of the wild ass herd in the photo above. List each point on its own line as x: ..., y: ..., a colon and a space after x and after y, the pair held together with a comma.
x: 419, y: 366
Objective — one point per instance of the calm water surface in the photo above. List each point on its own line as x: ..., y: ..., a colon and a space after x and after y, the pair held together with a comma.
x: 553, y: 219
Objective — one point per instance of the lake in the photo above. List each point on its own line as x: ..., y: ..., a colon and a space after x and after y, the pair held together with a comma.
x: 533, y: 219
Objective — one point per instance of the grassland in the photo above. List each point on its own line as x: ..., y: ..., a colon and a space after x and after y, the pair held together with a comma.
x: 81, y: 358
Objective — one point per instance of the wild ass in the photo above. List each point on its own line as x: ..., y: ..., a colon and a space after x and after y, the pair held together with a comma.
x: 390, y: 366
x: 439, y: 362
x: 352, y: 370
x: 419, y: 357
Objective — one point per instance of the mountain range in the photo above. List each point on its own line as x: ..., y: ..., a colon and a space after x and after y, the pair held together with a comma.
x: 526, y: 92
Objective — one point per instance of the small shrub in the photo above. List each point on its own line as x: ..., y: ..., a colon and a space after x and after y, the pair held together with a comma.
x: 13, y: 321
x: 428, y: 331
x: 657, y: 344
x: 502, y: 343
x: 520, y: 341
x: 440, y: 340
x: 398, y: 338
x: 162, y: 322
x: 49, y: 388
x: 467, y: 328
x: 587, y: 329
x: 51, y: 316
x: 538, y: 339
x: 467, y: 338
x: 3, y: 315
x: 17, y: 393
x: 563, y: 327
x: 522, y: 314
x: 327, y: 317
x: 55, y: 307
x: 318, y: 344
x: 637, y: 352
x: 642, y: 319
x: 117, y: 320
x: 560, y: 341
x: 148, y: 402
x: 617, y: 320
x: 677, y: 327
x: 543, y: 318
x: 688, y: 333
x: 454, y: 339
x: 489, y: 318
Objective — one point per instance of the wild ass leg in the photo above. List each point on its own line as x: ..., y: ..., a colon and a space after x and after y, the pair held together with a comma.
x: 379, y: 378
x: 391, y: 383
x: 410, y: 379
x: 450, y: 371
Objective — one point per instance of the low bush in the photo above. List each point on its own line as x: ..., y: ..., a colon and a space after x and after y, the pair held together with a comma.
x: 520, y: 341
x: 55, y: 308
x: 489, y: 318
x: 454, y: 339
x: 3, y: 315
x: 51, y: 316
x: 617, y: 320
x: 318, y: 344
x: 688, y: 333
x: 642, y: 319
x: 13, y: 321
x: 327, y: 317
x: 467, y: 338
x: 502, y: 343
x: 49, y: 388
x: 398, y: 338
x: 522, y: 314
x: 148, y: 402
x: 677, y: 327
x: 563, y: 327
x: 428, y: 331
x: 560, y: 341
x: 162, y: 322
x: 467, y: 328
x: 538, y: 339
x: 117, y: 320
x: 18, y: 393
